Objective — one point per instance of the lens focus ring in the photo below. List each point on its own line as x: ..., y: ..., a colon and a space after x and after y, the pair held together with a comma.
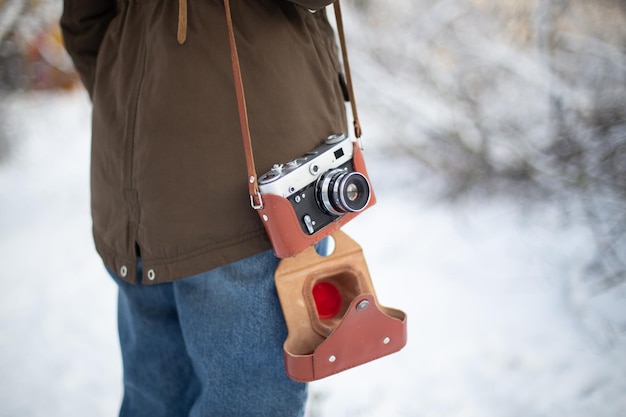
x: 341, y: 192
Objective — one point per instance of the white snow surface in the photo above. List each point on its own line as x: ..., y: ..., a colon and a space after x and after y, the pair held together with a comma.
x: 493, y: 327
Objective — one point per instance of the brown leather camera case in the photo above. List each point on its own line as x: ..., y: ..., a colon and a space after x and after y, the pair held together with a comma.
x: 360, y: 331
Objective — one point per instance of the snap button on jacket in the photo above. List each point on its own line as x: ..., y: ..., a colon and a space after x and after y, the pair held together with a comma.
x: 168, y: 174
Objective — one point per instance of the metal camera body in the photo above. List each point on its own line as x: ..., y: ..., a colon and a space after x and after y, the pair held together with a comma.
x: 321, y: 185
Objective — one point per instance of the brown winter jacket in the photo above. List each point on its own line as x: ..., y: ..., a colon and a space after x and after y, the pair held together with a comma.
x: 168, y: 176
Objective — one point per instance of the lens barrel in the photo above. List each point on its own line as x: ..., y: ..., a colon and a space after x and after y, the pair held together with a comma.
x: 340, y: 192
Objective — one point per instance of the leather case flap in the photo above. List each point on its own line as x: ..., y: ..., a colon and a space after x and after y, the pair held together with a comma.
x: 360, y: 331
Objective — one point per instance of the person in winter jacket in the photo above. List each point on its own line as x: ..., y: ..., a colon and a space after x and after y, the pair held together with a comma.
x: 200, y: 326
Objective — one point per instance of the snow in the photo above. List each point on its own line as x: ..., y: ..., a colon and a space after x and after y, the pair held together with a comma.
x: 496, y: 327
x: 58, y: 343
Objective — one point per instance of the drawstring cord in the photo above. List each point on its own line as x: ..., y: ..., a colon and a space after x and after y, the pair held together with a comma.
x: 182, y: 21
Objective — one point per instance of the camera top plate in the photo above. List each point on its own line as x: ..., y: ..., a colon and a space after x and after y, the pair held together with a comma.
x: 288, y: 178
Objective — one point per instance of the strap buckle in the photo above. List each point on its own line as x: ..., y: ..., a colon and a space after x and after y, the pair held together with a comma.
x: 255, y: 206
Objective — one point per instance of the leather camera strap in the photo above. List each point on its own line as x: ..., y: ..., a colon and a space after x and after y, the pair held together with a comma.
x: 346, y: 65
x: 253, y: 186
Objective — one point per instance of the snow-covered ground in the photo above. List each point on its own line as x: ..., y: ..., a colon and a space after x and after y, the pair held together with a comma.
x: 494, y: 329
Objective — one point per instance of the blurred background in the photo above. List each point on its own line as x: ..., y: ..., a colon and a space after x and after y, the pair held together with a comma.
x: 32, y: 57
x: 523, y: 98
x: 496, y: 134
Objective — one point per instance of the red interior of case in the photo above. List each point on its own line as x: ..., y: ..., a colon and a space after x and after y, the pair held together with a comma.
x: 328, y: 300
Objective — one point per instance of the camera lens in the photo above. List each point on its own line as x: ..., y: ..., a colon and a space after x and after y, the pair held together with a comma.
x: 353, y: 192
x: 340, y: 192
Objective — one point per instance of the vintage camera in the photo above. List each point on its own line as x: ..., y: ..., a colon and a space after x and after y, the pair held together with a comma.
x: 321, y: 185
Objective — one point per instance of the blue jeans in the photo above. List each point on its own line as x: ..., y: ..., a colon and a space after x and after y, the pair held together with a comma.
x: 208, y: 345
